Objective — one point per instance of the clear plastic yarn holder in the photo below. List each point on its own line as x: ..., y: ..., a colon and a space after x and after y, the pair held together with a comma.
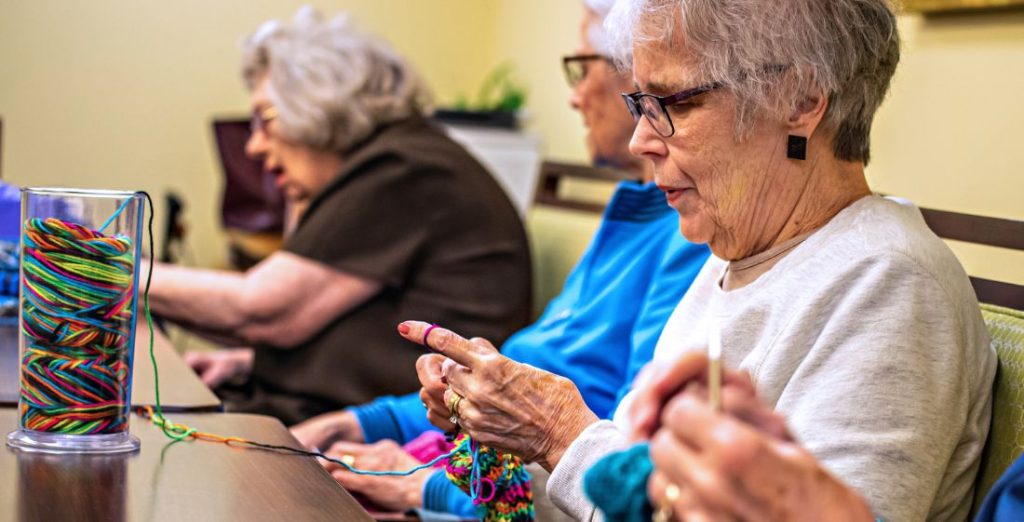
x: 79, y: 284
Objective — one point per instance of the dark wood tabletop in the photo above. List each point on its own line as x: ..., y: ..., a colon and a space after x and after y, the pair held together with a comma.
x: 180, y: 388
x: 177, y: 482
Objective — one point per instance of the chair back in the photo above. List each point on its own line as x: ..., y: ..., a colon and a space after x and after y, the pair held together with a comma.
x: 1001, y: 307
x: 565, y: 215
x: 1006, y: 436
x: 988, y: 231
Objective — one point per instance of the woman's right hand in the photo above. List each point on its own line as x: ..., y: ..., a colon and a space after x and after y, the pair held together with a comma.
x: 515, y: 407
x: 741, y: 464
x: 320, y: 432
x: 217, y: 367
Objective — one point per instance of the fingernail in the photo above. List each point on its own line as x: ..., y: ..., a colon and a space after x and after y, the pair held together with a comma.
x: 403, y: 328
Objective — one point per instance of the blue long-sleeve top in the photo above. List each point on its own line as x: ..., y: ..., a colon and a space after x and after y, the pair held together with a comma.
x: 1005, y: 501
x: 598, y: 332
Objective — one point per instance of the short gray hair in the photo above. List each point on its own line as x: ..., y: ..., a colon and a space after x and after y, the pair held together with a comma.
x: 332, y: 84
x: 847, y: 48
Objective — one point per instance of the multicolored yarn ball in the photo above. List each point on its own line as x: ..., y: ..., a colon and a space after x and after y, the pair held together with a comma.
x: 78, y: 301
x: 497, y: 481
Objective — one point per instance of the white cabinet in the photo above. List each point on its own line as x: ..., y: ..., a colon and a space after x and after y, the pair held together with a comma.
x: 513, y: 157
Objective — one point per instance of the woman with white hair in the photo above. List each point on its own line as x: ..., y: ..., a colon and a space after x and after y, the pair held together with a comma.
x: 395, y: 218
x: 853, y: 319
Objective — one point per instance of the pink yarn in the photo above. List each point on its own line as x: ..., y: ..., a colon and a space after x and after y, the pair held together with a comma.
x: 428, y: 447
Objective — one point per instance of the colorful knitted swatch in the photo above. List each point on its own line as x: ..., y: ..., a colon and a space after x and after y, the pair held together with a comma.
x: 77, y: 321
x: 497, y: 482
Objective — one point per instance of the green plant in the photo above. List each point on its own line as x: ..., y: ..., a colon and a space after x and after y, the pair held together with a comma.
x: 499, y: 92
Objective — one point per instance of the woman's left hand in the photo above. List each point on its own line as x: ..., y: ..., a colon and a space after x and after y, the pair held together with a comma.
x: 725, y: 468
x: 504, y: 404
x: 390, y: 492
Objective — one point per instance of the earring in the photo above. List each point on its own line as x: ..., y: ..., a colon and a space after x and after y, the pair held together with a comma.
x: 796, y: 148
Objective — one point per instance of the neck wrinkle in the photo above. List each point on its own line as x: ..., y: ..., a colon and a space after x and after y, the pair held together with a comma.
x: 829, y: 189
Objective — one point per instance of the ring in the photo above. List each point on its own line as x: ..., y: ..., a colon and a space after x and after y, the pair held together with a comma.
x: 348, y: 460
x: 666, y: 511
x: 426, y: 335
x: 453, y: 408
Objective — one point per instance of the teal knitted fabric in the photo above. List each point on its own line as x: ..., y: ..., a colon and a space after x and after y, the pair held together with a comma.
x: 617, y: 485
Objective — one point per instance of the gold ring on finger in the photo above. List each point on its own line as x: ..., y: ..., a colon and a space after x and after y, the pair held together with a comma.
x: 348, y: 460
x: 666, y: 511
x: 454, y: 409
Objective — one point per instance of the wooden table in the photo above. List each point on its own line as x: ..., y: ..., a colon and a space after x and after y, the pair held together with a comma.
x: 177, y: 482
x: 180, y: 388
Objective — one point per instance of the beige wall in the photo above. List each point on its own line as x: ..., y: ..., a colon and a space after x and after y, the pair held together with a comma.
x: 119, y: 93
x: 949, y: 136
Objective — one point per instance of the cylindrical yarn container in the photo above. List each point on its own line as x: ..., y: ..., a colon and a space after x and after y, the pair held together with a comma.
x: 79, y: 288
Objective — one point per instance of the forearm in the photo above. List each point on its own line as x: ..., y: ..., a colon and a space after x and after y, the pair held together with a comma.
x: 224, y: 339
x: 440, y: 495
x: 565, y: 486
x: 400, y: 419
x: 281, y: 302
x: 209, y: 301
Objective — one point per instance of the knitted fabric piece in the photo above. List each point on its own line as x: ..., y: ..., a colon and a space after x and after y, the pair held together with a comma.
x: 428, y: 446
x: 617, y: 485
x: 497, y: 482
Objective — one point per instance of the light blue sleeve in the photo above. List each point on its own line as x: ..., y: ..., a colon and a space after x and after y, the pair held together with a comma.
x: 680, y: 265
x: 439, y: 494
x: 400, y: 419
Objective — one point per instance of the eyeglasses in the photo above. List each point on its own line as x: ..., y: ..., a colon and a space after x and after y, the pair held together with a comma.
x: 260, y: 119
x: 655, y: 108
x: 575, y: 66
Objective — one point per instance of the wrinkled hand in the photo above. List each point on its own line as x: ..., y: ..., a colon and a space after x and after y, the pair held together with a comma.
x: 323, y: 430
x: 505, y: 404
x: 217, y: 367
x: 430, y: 369
x: 394, y: 493
x: 741, y: 464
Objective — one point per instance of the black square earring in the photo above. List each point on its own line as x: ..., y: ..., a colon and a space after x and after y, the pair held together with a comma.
x: 796, y: 148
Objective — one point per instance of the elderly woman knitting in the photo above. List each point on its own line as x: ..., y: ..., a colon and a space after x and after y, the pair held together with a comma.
x: 637, y: 256
x: 396, y: 219
x: 852, y: 318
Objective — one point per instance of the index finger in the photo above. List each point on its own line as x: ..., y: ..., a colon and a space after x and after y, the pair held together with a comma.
x: 444, y: 342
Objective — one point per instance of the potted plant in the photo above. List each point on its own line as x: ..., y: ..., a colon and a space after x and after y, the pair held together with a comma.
x: 496, y: 105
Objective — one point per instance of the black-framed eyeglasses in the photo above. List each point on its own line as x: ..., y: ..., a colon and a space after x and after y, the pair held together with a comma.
x: 655, y: 108
x: 260, y: 119
x: 575, y: 66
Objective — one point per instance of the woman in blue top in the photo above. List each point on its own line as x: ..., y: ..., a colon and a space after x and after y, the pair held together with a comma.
x: 598, y: 332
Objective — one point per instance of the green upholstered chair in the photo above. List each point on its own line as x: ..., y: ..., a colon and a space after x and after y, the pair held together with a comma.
x: 568, y: 204
x: 1005, y: 321
x: 1006, y: 437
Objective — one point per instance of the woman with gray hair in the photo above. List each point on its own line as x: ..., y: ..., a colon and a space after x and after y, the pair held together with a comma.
x: 853, y: 319
x: 393, y: 219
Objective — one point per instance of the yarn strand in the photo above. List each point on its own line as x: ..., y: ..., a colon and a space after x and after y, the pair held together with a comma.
x: 509, y: 498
